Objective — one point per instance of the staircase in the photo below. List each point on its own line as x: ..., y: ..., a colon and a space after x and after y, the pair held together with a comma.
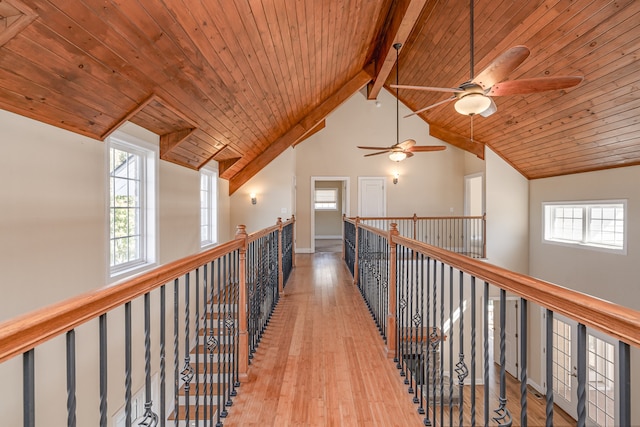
x: 208, y: 383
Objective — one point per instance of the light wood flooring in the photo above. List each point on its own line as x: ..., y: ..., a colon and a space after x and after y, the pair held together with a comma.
x: 322, y: 361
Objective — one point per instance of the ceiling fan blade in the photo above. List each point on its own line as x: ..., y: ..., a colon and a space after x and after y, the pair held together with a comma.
x: 378, y: 153
x: 429, y: 88
x: 374, y: 148
x: 409, y: 154
x: 430, y: 106
x: 492, y: 108
x: 501, y: 67
x: 541, y: 84
x: 425, y: 148
x: 406, y: 144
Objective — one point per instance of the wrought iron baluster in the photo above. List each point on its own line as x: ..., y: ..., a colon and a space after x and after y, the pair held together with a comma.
x: 29, y: 388
x: 127, y: 363
x: 582, y: 375
x: 451, y: 367
x: 71, y: 378
x: 433, y: 338
x: 441, y: 344
x: 428, y: 360
x: 422, y: 341
x: 220, y: 377
x: 176, y: 350
x: 102, y: 325
x: 624, y: 379
x: 205, y: 345
x: 222, y: 315
x: 235, y: 315
x: 485, y: 332
x: 163, y: 362
x: 187, y: 372
x: 408, y: 380
x: 549, y: 368
x: 150, y: 418
x: 473, y: 350
x: 461, y: 367
x: 196, y: 332
x: 523, y: 361
x: 503, y: 416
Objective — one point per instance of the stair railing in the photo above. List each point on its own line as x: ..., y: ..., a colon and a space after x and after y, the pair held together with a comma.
x: 167, y: 347
x: 460, y: 234
x: 437, y: 328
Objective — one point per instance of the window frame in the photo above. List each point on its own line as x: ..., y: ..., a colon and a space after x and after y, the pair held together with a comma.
x: 548, y: 210
x: 148, y: 210
x: 335, y: 192
x: 211, y: 175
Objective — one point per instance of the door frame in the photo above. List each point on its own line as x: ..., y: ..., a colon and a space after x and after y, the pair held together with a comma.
x: 346, y: 187
x: 495, y: 334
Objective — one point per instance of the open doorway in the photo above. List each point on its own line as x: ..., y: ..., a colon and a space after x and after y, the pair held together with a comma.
x: 329, y: 202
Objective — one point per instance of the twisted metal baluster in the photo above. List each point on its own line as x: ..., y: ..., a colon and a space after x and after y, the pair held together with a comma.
x: 127, y: 363
x: 187, y: 370
x: 523, y: 362
x: 103, y: 369
x: 473, y: 351
x: 220, y: 376
x: 549, y: 368
x: 503, y: 416
x: 197, y: 357
x: 222, y: 313
x: 485, y: 329
x: 205, y: 344
x: 150, y: 418
x: 433, y: 338
x: 441, y: 343
x: 421, y: 364
x: 582, y: 374
x: 71, y: 378
x: 451, y: 368
x: 427, y: 421
x: 176, y: 351
x: 410, y: 324
x: 163, y: 362
x: 461, y: 367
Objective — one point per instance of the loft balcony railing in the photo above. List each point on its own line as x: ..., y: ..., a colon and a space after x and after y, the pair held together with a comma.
x: 168, y: 347
x: 461, y: 234
x: 431, y: 306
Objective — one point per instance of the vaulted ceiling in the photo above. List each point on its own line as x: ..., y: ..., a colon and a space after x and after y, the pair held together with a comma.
x: 240, y: 81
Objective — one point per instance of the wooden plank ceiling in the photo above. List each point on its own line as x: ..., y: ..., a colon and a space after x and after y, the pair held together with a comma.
x: 240, y: 81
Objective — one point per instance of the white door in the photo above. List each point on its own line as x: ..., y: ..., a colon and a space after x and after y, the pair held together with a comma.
x: 372, y: 197
x: 565, y: 362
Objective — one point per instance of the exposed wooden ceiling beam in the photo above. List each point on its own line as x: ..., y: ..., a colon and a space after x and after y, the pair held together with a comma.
x: 402, y: 18
x: 313, y: 131
x: 301, y: 129
x: 457, y: 140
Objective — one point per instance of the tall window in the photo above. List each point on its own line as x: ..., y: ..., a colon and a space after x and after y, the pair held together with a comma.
x: 208, y: 207
x: 131, y: 204
x: 326, y: 199
x: 597, y: 224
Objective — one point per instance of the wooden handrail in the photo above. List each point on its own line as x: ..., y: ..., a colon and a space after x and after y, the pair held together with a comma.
x: 615, y: 320
x: 412, y: 218
x: 25, y: 332
x: 374, y: 230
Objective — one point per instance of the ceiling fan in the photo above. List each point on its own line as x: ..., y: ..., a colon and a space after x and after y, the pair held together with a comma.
x: 475, y: 95
x: 401, y: 150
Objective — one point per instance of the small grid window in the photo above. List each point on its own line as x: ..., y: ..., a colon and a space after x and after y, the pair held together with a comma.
x: 131, y: 205
x: 208, y: 207
x: 599, y: 225
x: 326, y: 199
x: 562, y: 359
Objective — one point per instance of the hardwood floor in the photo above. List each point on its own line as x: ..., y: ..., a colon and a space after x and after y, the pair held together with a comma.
x: 322, y: 361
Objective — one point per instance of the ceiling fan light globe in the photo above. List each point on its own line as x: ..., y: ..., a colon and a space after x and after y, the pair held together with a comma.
x: 473, y: 103
x: 398, y: 156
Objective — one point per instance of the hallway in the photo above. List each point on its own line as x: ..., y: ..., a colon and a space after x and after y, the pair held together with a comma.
x: 321, y: 361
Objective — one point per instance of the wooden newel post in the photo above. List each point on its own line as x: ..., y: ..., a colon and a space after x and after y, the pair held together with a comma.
x: 391, y: 315
x: 280, y: 259
x: 243, y: 307
x: 344, y: 217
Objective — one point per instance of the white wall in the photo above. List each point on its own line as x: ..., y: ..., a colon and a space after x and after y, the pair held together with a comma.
x: 273, y: 187
x: 507, y: 206
x: 429, y: 183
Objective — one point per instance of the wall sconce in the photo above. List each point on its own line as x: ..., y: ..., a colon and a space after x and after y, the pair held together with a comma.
x: 396, y: 175
x: 254, y: 200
